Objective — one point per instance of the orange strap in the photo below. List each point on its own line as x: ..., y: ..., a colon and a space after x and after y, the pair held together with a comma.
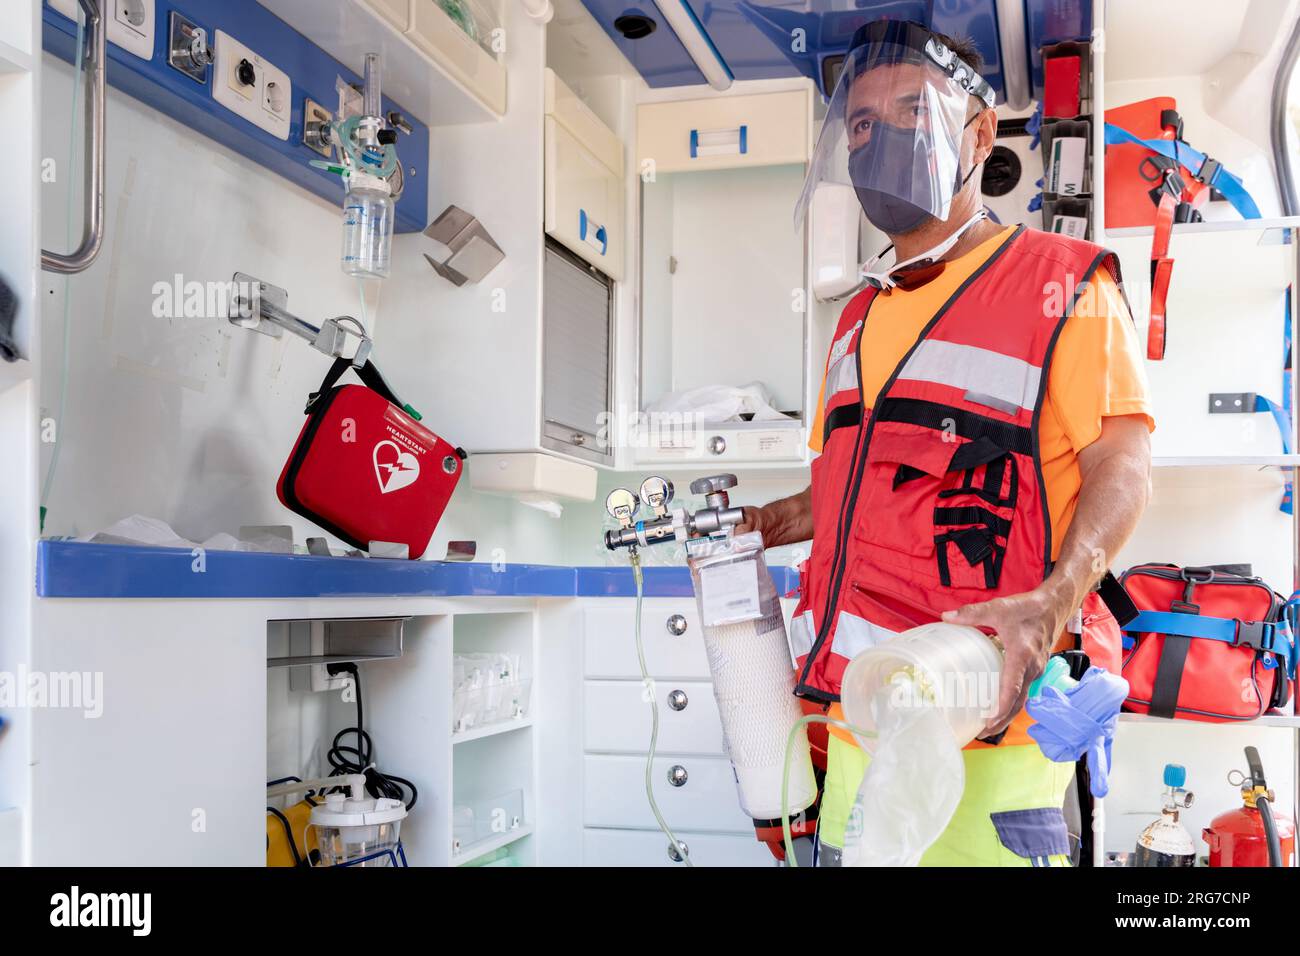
x: 1162, y: 268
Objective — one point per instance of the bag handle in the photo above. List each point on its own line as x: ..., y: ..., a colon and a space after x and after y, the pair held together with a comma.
x: 370, y: 377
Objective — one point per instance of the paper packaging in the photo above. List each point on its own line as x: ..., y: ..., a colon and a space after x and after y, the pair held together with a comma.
x: 1066, y: 165
x: 1074, y: 226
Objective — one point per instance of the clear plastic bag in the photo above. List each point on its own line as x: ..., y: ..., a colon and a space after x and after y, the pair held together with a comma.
x: 913, y: 784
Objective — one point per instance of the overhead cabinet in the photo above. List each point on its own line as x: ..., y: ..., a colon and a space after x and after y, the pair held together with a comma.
x: 766, y: 129
x: 724, y: 318
x: 584, y: 180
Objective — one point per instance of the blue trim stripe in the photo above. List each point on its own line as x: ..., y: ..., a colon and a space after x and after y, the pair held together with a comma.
x: 71, y: 569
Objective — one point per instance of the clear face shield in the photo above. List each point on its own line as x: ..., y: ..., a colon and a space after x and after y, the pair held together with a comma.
x: 894, y: 126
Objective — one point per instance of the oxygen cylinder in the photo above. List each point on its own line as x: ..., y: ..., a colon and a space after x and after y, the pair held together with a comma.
x: 1242, y: 837
x: 1166, y: 842
x: 753, y: 674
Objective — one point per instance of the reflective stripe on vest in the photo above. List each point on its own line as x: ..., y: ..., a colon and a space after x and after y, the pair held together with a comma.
x: 935, y: 498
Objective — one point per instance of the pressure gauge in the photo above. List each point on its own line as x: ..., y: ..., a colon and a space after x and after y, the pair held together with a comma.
x: 622, y: 505
x: 657, y: 493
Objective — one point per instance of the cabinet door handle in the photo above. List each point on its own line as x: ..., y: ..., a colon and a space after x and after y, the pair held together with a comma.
x: 720, y: 142
x: 677, y: 775
x: 676, y: 625
x: 677, y: 699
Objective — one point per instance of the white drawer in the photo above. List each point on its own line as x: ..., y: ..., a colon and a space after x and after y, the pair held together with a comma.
x: 610, y: 640
x: 645, y: 848
x: 723, y: 132
x: 617, y: 718
x: 614, y: 794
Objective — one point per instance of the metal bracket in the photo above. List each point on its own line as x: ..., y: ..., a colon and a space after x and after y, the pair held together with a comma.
x: 473, y: 252
x: 262, y: 307
x: 1232, y: 403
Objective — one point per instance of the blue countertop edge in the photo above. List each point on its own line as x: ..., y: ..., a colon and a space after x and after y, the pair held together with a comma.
x: 72, y: 569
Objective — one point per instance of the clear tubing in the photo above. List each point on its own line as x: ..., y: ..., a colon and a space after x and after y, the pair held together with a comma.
x: 673, y: 842
x: 373, y: 76
x: 48, y: 484
x: 800, y: 724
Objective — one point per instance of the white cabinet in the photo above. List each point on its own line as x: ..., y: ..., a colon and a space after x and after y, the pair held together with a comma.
x: 693, y: 782
x: 584, y: 180
x: 724, y: 132
x: 724, y: 301
x: 603, y: 847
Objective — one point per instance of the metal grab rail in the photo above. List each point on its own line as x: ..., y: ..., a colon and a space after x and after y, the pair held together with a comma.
x: 92, y: 238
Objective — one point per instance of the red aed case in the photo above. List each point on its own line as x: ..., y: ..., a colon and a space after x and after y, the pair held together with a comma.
x: 364, y: 469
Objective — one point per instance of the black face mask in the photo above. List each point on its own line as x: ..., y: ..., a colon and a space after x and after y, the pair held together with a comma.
x: 893, y: 163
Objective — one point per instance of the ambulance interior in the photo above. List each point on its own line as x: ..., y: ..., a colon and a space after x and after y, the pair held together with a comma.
x: 595, y: 278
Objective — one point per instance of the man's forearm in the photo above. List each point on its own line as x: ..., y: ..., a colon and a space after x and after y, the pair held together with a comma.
x: 1111, y: 501
x: 785, y: 521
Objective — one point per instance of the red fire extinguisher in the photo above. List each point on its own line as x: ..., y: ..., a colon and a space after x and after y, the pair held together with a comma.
x: 1253, y: 834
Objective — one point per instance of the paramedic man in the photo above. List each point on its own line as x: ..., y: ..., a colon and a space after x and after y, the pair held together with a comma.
x: 1093, y: 453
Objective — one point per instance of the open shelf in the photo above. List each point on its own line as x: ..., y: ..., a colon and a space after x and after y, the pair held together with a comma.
x: 1202, y: 228
x: 1268, y: 720
x: 1225, y: 461
x: 14, y: 60
x: 484, y: 847
x: 491, y: 730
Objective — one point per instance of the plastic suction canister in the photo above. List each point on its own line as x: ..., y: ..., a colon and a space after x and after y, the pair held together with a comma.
x: 954, y: 667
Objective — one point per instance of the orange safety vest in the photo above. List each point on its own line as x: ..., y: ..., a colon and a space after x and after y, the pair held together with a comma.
x: 937, y: 499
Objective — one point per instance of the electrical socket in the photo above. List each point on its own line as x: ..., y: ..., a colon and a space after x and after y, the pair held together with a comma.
x: 130, y: 23
x: 251, y: 87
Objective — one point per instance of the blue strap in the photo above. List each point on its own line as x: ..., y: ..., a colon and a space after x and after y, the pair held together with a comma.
x: 1180, y: 152
x: 1280, y: 415
x: 1278, y: 637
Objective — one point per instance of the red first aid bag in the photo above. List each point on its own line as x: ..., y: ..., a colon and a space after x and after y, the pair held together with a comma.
x: 1207, y: 644
x: 364, y: 469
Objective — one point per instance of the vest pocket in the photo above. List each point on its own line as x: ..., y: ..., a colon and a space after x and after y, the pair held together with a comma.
x: 904, y: 473
x: 973, y: 512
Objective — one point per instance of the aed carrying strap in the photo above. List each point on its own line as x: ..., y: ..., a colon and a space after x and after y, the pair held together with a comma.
x: 369, y: 375
x: 1170, y: 196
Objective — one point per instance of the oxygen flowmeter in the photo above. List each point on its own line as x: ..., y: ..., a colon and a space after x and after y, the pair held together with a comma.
x: 663, y: 525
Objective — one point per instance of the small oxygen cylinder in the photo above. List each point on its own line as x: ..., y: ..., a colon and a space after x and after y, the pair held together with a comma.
x: 753, y: 676
x: 1166, y: 842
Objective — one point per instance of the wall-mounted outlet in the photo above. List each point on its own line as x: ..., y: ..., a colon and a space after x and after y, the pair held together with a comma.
x: 316, y: 121
x: 251, y: 87
x: 130, y: 23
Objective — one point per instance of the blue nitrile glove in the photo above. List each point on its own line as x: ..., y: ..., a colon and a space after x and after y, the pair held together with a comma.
x: 1080, y: 721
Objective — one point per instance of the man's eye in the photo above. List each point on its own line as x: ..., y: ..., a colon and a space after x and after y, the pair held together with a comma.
x: 862, y: 126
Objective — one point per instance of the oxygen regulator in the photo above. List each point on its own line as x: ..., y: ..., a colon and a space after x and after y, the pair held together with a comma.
x: 665, y: 525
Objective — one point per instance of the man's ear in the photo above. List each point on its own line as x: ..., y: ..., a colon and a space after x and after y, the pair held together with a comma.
x: 986, y: 134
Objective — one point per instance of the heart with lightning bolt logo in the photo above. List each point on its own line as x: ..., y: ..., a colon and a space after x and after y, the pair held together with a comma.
x: 394, y: 467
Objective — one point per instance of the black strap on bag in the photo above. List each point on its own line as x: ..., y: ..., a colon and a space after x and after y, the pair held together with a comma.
x: 369, y: 375
x: 1173, y: 652
x: 1116, y: 599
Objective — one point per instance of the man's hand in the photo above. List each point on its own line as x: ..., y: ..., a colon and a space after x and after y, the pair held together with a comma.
x: 1116, y: 473
x: 786, y: 521
x: 1027, y: 626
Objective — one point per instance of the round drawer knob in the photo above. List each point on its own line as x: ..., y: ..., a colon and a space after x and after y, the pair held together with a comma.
x: 678, y: 700
x: 717, y: 445
x: 677, y: 625
x: 677, y: 775
x: 679, y: 853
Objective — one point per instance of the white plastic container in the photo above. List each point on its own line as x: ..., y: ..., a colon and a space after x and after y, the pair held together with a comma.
x: 358, y: 832
x: 957, y: 667
x: 368, y: 217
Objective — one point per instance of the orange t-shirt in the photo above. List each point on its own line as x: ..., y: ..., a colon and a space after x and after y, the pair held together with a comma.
x: 1096, y: 372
